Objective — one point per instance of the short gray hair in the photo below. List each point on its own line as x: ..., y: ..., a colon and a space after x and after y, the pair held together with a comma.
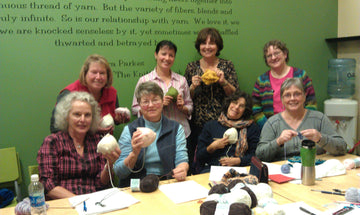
x: 147, y: 88
x: 297, y: 82
x: 63, y: 108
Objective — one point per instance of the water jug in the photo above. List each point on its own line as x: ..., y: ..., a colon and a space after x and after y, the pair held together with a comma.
x: 308, y: 154
x: 341, y: 79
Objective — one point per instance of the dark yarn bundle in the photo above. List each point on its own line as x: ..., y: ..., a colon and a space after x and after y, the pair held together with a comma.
x: 149, y: 183
x: 219, y: 189
x: 252, y: 195
x: 239, y: 208
x: 209, y: 208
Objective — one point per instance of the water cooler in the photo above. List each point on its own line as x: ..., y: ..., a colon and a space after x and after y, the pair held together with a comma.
x: 341, y: 109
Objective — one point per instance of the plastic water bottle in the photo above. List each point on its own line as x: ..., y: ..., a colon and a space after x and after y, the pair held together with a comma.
x: 36, y: 195
x: 341, y: 79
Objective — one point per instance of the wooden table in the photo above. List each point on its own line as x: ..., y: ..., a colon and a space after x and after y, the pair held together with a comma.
x: 299, y: 192
x: 157, y: 203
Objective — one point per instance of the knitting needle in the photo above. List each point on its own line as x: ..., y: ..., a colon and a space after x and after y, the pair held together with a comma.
x: 306, y: 211
x: 329, y: 192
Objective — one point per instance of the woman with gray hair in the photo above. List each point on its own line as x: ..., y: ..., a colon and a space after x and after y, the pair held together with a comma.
x: 166, y: 156
x: 282, y: 134
x: 68, y: 162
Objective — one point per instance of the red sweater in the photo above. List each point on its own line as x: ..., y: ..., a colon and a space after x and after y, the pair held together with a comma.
x: 107, y: 101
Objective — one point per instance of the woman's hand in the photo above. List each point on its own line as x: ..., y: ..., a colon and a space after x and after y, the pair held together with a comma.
x: 230, y: 161
x: 106, y: 130
x: 312, y: 134
x: 196, y: 81
x: 218, y: 144
x: 180, y: 172
x: 221, y: 76
x: 136, y: 142
x: 285, y: 136
x: 112, y: 156
x: 167, y: 100
x: 121, y: 118
x: 180, y: 102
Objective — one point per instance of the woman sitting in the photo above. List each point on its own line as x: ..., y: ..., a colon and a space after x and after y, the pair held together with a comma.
x: 214, y: 149
x: 68, y: 162
x: 282, y: 134
x: 167, y: 155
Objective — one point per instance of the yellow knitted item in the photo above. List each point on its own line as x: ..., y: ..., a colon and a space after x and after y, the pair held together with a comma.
x: 209, y: 77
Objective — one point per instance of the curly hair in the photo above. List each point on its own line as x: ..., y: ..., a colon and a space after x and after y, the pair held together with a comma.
x: 276, y: 44
x: 98, y: 59
x: 214, y: 37
x: 64, y: 106
x: 233, y: 98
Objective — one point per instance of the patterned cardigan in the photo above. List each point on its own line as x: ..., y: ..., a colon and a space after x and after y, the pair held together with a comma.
x: 262, y: 95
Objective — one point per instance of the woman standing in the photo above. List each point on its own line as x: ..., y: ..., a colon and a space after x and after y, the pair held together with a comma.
x: 266, y: 93
x: 178, y: 109
x: 96, y: 78
x: 208, y: 99
x: 214, y: 149
x: 282, y: 134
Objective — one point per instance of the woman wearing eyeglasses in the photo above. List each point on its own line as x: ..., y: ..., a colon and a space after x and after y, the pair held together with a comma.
x: 266, y: 92
x: 282, y: 134
x: 166, y: 156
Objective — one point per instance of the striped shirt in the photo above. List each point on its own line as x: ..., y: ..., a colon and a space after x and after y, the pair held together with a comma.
x: 171, y: 111
x: 262, y: 95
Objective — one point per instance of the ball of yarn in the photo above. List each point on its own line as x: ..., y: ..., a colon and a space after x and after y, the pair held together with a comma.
x: 208, y: 208
x: 285, y: 168
x: 261, y: 190
x: 352, y: 194
x: 252, y: 196
x: 266, y: 201
x: 233, y: 183
x: 349, y: 164
x: 219, y: 188
x: 239, y: 208
x: 24, y: 208
x: 237, y: 195
x: 274, y: 209
x: 149, y: 183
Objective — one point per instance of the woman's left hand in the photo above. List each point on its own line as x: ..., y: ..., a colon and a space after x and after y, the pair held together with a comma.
x: 180, y: 102
x: 221, y: 76
x: 106, y: 130
x: 312, y: 134
x: 179, y: 173
x: 121, y: 118
x: 230, y: 161
x: 112, y: 156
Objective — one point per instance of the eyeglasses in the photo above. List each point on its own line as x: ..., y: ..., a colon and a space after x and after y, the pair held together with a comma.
x: 275, y: 54
x: 295, y: 95
x: 146, y: 103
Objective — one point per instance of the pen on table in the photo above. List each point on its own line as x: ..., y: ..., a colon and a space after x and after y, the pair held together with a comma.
x: 306, y: 211
x: 85, y: 209
x: 78, y: 203
x: 329, y: 192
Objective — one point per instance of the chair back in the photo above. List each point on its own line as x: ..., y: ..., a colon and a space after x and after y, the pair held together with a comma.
x: 10, y: 172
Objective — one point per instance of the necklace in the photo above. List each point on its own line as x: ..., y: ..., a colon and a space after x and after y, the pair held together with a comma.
x: 78, y: 146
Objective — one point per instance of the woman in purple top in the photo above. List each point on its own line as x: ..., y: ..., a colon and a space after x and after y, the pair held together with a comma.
x: 68, y: 162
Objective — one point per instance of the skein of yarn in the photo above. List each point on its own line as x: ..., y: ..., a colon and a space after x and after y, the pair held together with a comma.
x: 352, y: 163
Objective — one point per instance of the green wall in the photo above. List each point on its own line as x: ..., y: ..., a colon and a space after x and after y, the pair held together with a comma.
x: 34, y: 67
